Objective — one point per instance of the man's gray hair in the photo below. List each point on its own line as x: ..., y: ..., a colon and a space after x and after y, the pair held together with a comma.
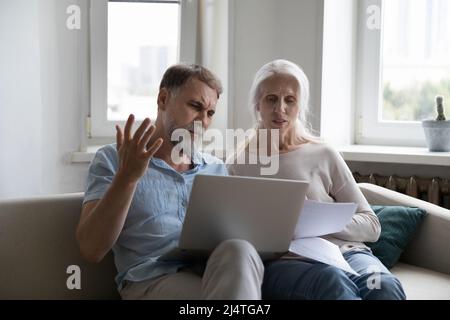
x: 177, y: 75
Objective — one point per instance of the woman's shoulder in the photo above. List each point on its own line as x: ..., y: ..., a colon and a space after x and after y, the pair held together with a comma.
x: 321, y: 148
x: 321, y: 152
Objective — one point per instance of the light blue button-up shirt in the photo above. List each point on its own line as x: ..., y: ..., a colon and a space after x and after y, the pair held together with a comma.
x: 154, y: 221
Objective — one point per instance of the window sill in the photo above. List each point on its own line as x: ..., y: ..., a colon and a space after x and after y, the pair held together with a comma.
x: 363, y: 153
x: 386, y: 154
x: 84, y: 156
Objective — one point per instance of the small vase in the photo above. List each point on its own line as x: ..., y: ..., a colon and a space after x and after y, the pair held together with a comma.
x: 437, y: 135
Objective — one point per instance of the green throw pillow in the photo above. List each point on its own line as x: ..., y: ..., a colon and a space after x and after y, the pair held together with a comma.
x: 398, y: 225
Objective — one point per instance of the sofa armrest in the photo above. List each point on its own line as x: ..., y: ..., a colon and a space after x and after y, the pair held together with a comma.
x: 429, y: 246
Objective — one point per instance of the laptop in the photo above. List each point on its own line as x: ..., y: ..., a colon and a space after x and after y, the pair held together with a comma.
x: 262, y: 211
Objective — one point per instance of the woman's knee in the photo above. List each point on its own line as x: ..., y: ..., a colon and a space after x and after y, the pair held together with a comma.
x: 329, y: 283
x: 384, y: 286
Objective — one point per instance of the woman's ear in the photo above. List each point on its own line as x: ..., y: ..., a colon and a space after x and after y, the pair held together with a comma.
x: 163, y: 97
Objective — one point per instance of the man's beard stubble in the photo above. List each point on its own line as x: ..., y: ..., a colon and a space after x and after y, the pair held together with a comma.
x: 189, y: 135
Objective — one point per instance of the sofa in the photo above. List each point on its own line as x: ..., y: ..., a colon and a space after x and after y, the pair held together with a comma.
x: 38, y: 250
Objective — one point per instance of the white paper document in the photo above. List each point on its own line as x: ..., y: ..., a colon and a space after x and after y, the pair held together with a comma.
x: 318, y: 219
x: 321, y: 250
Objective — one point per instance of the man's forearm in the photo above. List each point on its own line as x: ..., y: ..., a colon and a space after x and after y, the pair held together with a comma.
x: 101, y: 228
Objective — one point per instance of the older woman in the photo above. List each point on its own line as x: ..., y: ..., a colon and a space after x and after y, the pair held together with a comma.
x: 279, y: 100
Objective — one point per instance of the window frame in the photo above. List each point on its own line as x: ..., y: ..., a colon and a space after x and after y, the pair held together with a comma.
x: 370, y: 129
x: 98, y: 125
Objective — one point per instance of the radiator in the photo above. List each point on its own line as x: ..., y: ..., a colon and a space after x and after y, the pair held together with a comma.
x: 434, y: 190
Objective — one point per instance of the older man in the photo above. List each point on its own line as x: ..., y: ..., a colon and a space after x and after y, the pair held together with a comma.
x: 136, y: 199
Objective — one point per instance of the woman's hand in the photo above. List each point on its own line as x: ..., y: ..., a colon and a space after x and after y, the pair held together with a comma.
x: 134, y: 152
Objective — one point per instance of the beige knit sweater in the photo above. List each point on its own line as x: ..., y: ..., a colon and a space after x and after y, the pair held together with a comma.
x: 330, y: 181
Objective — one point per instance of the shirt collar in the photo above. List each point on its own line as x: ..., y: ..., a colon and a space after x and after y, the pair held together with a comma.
x: 198, y: 158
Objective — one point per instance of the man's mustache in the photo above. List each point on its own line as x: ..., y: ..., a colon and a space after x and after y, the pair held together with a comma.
x: 194, y: 130
x: 192, y: 127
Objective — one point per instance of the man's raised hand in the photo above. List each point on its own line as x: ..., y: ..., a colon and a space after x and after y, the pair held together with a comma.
x: 134, y: 151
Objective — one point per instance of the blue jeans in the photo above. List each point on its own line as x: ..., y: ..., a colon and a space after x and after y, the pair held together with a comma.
x: 307, y: 279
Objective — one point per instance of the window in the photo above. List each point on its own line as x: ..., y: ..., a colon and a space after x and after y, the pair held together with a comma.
x: 138, y: 55
x: 402, y: 66
x: 132, y: 44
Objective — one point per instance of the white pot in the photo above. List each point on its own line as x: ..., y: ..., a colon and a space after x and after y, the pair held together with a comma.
x: 437, y: 135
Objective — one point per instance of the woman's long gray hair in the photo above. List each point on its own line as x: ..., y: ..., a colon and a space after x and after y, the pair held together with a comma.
x: 303, y: 128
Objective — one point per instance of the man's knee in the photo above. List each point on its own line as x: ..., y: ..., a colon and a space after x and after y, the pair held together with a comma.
x: 236, y: 247
x: 238, y: 252
x: 234, y: 271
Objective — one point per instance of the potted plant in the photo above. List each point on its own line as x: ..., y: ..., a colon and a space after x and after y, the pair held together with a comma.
x: 437, y: 132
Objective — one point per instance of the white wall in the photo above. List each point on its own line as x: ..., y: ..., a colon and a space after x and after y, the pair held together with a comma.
x: 43, y: 94
x: 213, y: 53
x: 264, y: 30
x: 20, y: 98
x: 65, y: 88
x: 338, y: 76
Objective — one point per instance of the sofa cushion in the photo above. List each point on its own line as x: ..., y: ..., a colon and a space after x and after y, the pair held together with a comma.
x: 398, y: 225
x: 422, y: 284
x: 38, y: 248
